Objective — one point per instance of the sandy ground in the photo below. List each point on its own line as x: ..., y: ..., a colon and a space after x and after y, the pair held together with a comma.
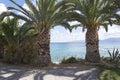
x: 8, y: 72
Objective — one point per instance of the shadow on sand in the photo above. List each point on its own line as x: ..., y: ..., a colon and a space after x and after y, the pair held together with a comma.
x: 21, y: 73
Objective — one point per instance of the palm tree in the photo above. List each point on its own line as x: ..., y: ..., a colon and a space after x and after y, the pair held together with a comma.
x: 1, y: 46
x: 44, y: 15
x: 117, y: 3
x: 14, y: 37
x: 92, y: 14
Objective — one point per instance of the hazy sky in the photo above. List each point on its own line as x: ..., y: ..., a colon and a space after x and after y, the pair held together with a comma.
x: 59, y: 34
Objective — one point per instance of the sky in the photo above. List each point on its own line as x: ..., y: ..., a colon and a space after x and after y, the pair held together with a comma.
x: 59, y: 34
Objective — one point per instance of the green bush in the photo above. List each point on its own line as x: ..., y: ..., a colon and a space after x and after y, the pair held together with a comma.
x: 29, y: 53
x: 19, y: 41
x: 114, y: 56
x: 108, y: 73
x: 113, y: 59
x: 22, y: 55
x: 70, y: 60
x: 105, y: 59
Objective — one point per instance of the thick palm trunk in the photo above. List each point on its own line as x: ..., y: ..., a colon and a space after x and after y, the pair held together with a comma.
x: 43, y: 48
x: 92, y: 46
x: 1, y: 52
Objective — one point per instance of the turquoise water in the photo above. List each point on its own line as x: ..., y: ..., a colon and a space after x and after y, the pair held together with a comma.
x: 77, y: 49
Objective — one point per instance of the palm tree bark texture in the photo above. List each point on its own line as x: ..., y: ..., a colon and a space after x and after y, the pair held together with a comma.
x: 43, y: 43
x: 92, y: 45
x: 1, y: 52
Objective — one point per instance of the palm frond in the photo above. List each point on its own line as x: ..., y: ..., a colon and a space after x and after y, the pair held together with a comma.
x: 33, y: 9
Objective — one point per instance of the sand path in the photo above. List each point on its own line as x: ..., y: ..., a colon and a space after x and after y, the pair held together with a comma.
x: 24, y: 73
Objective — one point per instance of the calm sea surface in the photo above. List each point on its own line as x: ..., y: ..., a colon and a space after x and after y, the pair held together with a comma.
x: 77, y: 49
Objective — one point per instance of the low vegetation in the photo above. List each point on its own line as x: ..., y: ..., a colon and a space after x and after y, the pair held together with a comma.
x: 113, y: 59
x: 109, y: 73
x: 110, y: 68
x: 71, y: 60
x: 19, y: 42
x: 114, y: 56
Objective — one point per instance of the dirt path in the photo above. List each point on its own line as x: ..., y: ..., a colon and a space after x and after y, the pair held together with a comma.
x: 23, y: 73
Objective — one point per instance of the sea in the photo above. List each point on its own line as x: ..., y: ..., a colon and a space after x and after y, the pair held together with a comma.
x: 60, y: 50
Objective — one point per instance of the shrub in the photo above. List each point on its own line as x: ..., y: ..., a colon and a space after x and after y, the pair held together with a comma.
x: 108, y: 73
x: 25, y: 54
x: 29, y: 53
x: 114, y: 56
x: 70, y: 60
x: 105, y: 59
x: 19, y: 41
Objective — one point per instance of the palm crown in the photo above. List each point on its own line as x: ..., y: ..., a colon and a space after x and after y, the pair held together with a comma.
x: 15, y: 38
x: 44, y: 14
x: 95, y: 13
x: 12, y: 34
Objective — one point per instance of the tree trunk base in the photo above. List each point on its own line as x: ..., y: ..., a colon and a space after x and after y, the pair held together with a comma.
x: 43, y: 61
x: 92, y: 58
x: 1, y: 52
x: 93, y: 64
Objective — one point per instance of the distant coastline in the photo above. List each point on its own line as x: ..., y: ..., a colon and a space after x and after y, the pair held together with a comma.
x: 59, y: 50
x: 109, y: 40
